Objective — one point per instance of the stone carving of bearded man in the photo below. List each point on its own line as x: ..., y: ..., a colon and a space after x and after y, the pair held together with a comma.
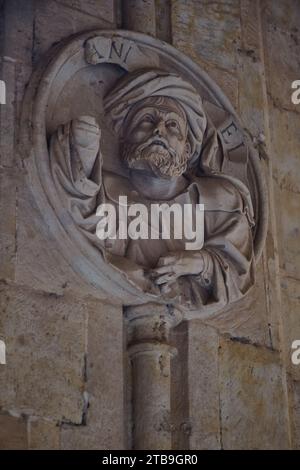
x: 162, y: 128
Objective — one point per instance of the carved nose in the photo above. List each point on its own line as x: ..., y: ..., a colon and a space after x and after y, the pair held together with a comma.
x: 159, y: 129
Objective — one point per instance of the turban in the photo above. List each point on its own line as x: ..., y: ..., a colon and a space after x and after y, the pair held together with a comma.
x: 136, y: 86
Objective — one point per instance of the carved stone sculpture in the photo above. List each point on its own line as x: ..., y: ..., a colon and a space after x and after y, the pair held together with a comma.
x: 116, y: 114
x: 165, y: 141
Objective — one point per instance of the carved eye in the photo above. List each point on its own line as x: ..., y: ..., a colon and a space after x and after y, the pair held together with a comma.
x: 147, y: 119
x: 172, y: 124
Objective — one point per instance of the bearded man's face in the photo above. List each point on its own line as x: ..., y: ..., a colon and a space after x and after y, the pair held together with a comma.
x: 156, y: 137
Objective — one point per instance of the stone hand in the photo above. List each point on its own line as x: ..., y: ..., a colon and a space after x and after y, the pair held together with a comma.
x: 86, y: 135
x: 86, y: 132
x: 176, y: 264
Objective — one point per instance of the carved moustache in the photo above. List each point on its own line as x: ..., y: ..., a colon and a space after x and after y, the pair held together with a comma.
x: 163, y: 158
x: 160, y: 142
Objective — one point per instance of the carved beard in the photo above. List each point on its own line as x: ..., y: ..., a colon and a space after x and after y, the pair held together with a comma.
x: 163, y: 161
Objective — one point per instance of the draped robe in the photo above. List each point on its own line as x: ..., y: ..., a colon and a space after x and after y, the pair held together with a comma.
x: 227, y: 252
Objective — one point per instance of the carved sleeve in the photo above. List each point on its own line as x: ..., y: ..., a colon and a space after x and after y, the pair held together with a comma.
x: 227, y: 258
x: 75, y: 163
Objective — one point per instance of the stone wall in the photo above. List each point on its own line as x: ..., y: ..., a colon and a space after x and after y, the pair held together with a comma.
x: 62, y: 386
x: 65, y: 384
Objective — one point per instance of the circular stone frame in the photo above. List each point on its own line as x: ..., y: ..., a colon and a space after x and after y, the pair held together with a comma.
x: 86, y: 260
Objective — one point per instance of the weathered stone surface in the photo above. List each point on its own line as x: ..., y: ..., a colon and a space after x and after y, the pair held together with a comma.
x: 23, y: 72
x: 285, y: 16
x: 180, y: 388
x: 280, y: 21
x: 15, y: 75
x: 280, y: 28
x: 288, y: 232
x: 43, y: 435
x: 251, y: 102
x: 7, y: 115
x: 151, y: 355
x: 249, y: 318
x: 203, y: 369
x: 104, y: 427
x: 102, y: 9
x: 250, y: 68
x: 15, y: 69
x: 252, y: 398
x: 105, y: 376
x: 7, y: 224
x: 13, y: 433
x: 45, y: 348
x: 210, y: 34
x: 163, y: 20
x: 271, y: 284
x: 281, y: 39
x: 40, y: 262
x: 47, y: 336
x: 295, y: 415
x: 140, y: 16
x: 250, y: 25
x: 195, y: 388
x: 18, y: 26
x: 290, y: 291
x: 217, y: 25
x: 67, y: 22
x: 285, y: 154
x: 287, y: 199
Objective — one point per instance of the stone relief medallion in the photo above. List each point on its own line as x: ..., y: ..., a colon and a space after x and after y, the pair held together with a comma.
x: 121, y: 119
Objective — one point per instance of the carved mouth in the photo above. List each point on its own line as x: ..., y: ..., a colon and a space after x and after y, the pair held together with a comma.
x: 159, y: 142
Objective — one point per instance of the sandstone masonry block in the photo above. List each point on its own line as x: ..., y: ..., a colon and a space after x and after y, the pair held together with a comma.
x: 253, y: 402
x: 295, y: 402
x: 7, y: 224
x: 104, y: 427
x: 45, y: 350
x: 203, y: 386
x: 210, y: 34
x: 13, y: 433
x: 43, y: 435
x: 102, y: 9
x: 248, y: 318
x: 290, y: 289
x: 67, y: 22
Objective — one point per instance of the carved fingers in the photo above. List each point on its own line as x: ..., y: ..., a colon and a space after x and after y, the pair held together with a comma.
x: 86, y: 135
x: 177, y: 264
x: 86, y: 132
x: 88, y: 122
x: 170, y: 291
